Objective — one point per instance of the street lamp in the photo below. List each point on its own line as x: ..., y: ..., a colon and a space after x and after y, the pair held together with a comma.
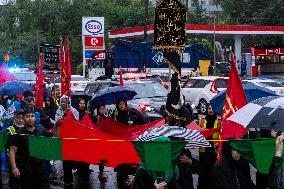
x: 214, y: 55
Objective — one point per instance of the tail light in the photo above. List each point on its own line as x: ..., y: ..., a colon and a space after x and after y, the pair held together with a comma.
x: 213, y: 88
x: 144, y: 107
x: 187, y: 85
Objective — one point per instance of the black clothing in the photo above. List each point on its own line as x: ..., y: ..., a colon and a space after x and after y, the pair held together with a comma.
x: 276, y: 179
x: 34, y: 174
x: 53, y: 107
x: 67, y: 168
x: 124, y: 116
x: 82, y: 167
x: 96, y: 120
x: 207, y: 159
x: 81, y: 115
x: 210, y: 119
x: 231, y: 174
x: 185, y: 181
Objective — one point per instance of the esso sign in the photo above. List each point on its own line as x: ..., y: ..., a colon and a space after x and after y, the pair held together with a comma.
x: 94, y: 27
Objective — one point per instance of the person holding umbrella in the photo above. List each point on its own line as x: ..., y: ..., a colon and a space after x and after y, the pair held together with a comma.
x: 116, y: 95
x: 101, y: 110
x: 122, y: 114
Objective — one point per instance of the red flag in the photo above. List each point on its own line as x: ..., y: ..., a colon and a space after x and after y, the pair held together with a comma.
x: 68, y: 63
x: 205, y: 132
x: 64, y: 71
x: 235, y: 99
x: 99, y: 146
x: 39, y: 84
x: 121, y: 83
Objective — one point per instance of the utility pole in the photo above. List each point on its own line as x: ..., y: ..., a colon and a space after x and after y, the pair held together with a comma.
x: 146, y: 19
x: 145, y: 33
x: 214, y: 44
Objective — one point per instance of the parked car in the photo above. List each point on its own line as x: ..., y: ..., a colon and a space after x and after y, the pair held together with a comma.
x: 27, y: 77
x: 145, y: 106
x: 275, y: 78
x: 200, y: 90
x: 223, y: 68
x: 271, y: 84
x: 78, y: 83
x: 164, y: 79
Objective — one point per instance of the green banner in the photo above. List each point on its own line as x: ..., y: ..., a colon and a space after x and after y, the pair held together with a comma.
x: 258, y: 151
x: 159, y: 156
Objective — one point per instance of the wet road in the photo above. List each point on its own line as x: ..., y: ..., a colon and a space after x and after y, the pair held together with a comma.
x: 57, y: 180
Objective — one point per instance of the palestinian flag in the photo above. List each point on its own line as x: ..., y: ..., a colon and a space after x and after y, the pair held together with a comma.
x: 259, y: 152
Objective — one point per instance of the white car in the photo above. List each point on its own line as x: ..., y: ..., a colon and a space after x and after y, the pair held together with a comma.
x: 271, y: 84
x: 200, y: 90
x: 27, y: 77
x: 78, y: 83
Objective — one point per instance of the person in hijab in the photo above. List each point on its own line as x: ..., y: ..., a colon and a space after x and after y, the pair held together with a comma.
x: 63, y: 110
x: 181, y: 177
x: 232, y: 172
x: 81, y: 108
x: 65, y: 107
x: 82, y: 167
x: 101, y: 110
x: 207, y: 156
x: 122, y: 114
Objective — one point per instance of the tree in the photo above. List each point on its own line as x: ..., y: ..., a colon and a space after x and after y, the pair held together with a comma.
x: 27, y: 23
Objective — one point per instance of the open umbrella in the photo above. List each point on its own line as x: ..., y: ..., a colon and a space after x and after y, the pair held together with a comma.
x: 12, y: 88
x: 252, y: 91
x: 263, y: 113
x: 111, y: 95
x: 194, y: 138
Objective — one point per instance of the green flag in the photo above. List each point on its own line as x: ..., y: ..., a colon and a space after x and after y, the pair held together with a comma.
x: 48, y: 148
x: 3, y: 141
x: 258, y: 151
x: 158, y: 155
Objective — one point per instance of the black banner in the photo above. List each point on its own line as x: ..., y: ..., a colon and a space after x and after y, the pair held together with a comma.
x: 50, y: 56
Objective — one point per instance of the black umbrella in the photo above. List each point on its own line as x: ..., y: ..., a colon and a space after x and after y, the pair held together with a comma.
x: 263, y: 113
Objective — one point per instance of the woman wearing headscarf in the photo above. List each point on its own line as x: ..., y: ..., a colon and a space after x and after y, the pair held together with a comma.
x: 122, y: 114
x: 232, y: 172
x: 207, y: 156
x: 82, y: 167
x: 179, y: 178
x: 63, y: 110
x: 98, y: 114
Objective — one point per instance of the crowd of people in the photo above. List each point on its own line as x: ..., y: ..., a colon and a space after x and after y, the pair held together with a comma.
x: 26, y: 172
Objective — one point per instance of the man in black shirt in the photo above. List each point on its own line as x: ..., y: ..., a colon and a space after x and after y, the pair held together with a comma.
x: 31, y: 172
